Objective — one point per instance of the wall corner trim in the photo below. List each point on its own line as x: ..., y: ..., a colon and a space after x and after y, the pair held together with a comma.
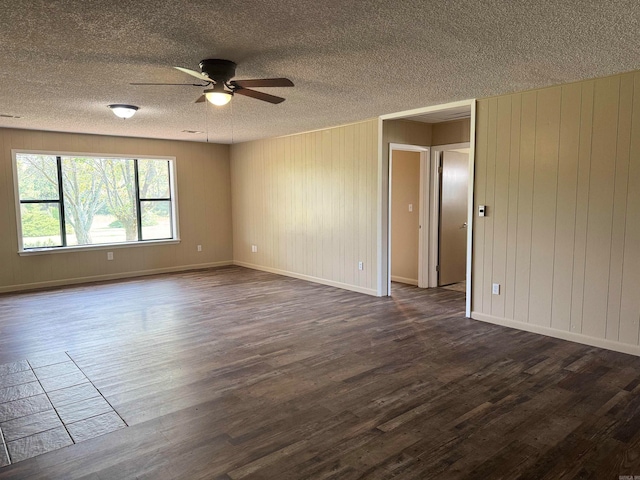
x: 309, y: 278
x: 561, y: 334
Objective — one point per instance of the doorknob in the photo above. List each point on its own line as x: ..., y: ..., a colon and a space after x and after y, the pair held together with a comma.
x: 464, y: 225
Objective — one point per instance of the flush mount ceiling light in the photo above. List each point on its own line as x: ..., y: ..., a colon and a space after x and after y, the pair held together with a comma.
x: 123, y: 111
x: 218, y: 95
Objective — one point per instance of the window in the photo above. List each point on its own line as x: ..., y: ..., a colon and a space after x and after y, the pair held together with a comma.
x: 81, y: 201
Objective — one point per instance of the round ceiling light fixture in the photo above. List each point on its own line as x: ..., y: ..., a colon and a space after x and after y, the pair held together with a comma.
x: 218, y: 95
x: 123, y: 111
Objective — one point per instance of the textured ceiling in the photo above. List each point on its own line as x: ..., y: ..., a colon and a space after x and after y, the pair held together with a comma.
x: 62, y: 62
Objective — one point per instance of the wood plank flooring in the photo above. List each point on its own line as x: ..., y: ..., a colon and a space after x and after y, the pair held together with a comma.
x: 237, y: 374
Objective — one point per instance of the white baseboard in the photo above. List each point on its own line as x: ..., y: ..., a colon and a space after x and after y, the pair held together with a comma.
x: 111, y: 276
x: 408, y: 281
x: 562, y: 334
x: 309, y: 278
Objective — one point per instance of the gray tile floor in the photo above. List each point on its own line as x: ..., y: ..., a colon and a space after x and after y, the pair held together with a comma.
x: 48, y: 403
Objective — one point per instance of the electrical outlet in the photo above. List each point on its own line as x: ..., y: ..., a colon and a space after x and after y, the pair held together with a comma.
x: 360, y: 266
x: 496, y: 289
x: 254, y: 248
x: 199, y: 248
x: 109, y: 255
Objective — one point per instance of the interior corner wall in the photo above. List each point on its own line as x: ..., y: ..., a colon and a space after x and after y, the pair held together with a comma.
x: 559, y: 170
x: 309, y: 203
x: 204, y: 210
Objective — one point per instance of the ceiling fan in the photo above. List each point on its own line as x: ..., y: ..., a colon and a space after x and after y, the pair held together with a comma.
x: 217, y: 75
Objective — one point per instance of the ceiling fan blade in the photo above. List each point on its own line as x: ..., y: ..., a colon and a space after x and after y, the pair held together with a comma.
x: 193, y: 73
x: 185, y: 84
x: 263, y: 82
x: 259, y: 95
x: 201, y: 99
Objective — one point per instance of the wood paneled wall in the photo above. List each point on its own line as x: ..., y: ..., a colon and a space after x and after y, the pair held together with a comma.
x: 309, y: 202
x: 408, y: 132
x: 559, y: 169
x: 455, y: 131
x: 204, y: 207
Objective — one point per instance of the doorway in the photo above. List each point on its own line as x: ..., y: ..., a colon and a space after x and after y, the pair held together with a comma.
x: 450, y: 215
x: 408, y: 214
x: 436, y: 114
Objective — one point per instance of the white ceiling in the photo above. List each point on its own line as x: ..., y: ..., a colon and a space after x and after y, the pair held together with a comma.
x: 454, y: 113
x: 63, y: 61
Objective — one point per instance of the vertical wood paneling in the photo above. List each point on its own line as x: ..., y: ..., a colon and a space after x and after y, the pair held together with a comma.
x: 455, y: 131
x: 512, y: 207
x: 623, y: 142
x: 328, y: 230
x: 599, y: 221
x: 582, y: 206
x: 630, y: 300
x: 566, y: 210
x: 325, y: 186
x: 568, y: 244
x: 363, y: 230
x: 525, y: 206
x: 545, y: 186
x: 480, y: 183
x: 501, y: 202
x: 489, y: 220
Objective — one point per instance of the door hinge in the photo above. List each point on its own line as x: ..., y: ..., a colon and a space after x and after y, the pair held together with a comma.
x: 437, y: 268
x: 440, y: 169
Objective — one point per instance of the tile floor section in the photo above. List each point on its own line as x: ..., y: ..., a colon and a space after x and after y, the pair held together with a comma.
x: 47, y: 403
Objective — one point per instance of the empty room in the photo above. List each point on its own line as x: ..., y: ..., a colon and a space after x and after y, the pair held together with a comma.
x: 318, y: 240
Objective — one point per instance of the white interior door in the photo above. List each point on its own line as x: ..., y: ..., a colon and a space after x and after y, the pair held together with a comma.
x: 454, y: 188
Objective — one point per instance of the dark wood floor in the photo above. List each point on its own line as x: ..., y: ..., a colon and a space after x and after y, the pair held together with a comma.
x: 233, y: 373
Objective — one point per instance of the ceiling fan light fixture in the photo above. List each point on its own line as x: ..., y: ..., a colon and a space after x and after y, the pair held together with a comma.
x: 218, y: 95
x: 123, y: 111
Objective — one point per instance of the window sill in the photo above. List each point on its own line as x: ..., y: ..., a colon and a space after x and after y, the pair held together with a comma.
x: 83, y: 248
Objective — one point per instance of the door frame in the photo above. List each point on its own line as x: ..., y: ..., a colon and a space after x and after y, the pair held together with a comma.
x: 434, y: 225
x: 423, y: 209
x: 382, y: 270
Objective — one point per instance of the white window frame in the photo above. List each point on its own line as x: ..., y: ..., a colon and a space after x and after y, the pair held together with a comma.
x: 99, y: 246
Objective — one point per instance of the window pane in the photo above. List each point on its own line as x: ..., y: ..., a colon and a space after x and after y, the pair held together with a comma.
x: 82, y: 185
x: 99, y: 200
x: 40, y: 225
x: 156, y: 220
x: 116, y: 220
x: 154, y: 178
x: 37, y: 176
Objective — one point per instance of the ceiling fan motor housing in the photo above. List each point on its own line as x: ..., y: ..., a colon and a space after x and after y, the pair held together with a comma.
x: 220, y: 71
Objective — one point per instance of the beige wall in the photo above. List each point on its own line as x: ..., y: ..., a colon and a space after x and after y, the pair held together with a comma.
x: 204, y: 206
x: 559, y: 169
x: 397, y: 131
x: 447, y: 133
x: 309, y: 203
x: 405, y: 190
